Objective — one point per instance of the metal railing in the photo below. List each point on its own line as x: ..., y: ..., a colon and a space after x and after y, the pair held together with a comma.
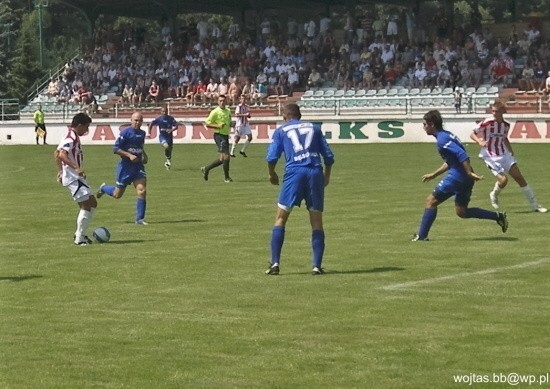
x: 9, y: 109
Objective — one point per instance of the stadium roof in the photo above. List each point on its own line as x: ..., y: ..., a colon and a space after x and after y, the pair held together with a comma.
x: 158, y: 9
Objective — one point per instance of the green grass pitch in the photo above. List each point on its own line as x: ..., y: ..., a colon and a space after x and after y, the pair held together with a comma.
x: 184, y: 302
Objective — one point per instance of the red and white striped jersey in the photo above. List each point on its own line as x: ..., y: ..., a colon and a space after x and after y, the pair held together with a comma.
x: 241, y: 109
x: 494, y: 134
x: 71, y: 144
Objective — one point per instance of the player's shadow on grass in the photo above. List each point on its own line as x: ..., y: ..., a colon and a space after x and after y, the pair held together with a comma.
x: 364, y: 271
x: 499, y: 238
x: 127, y: 241
x: 178, y: 221
x: 373, y: 270
x: 19, y: 278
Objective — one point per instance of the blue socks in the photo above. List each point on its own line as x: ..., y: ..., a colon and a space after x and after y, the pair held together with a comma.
x: 427, y: 220
x: 318, y: 247
x: 479, y: 213
x: 108, y: 189
x: 141, y: 204
x: 277, y: 240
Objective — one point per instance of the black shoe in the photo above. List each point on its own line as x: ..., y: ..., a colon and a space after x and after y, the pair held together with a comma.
x: 204, y: 173
x: 502, y: 221
x: 317, y: 271
x: 416, y: 238
x: 243, y: 154
x: 273, y: 270
x: 232, y: 155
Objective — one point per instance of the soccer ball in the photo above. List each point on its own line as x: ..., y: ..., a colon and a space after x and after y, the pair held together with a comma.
x: 102, y: 235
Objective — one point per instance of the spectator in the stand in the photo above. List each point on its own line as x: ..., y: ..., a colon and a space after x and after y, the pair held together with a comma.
x: 183, y: 84
x: 259, y: 93
x: 127, y: 93
x: 137, y: 97
x: 378, y: 26
x: 477, y: 75
x: 293, y: 80
x: 223, y: 87
x: 261, y: 78
x: 420, y: 75
x: 281, y: 88
x: 533, y: 35
x: 211, y: 93
x: 444, y: 77
x: 499, y: 73
x: 234, y: 92
x: 247, y: 90
x: 153, y: 94
x: 527, y: 75
x: 314, y: 79
x: 540, y: 76
x: 52, y: 88
x: 546, y: 90
x: 199, y: 93
x: 392, y: 26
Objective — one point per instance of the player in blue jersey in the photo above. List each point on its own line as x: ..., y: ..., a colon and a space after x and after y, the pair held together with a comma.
x: 166, y: 124
x: 459, y: 181
x: 130, y: 169
x: 305, y: 149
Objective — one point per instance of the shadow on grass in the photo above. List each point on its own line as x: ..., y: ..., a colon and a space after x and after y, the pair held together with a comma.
x: 127, y: 241
x: 19, y: 278
x: 363, y: 271
x: 499, y: 238
x: 174, y: 221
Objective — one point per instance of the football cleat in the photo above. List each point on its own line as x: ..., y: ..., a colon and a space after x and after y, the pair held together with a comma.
x: 273, y: 270
x: 243, y: 154
x: 540, y: 209
x: 417, y: 238
x: 82, y: 243
x: 317, y: 271
x: 204, y: 173
x: 167, y: 164
x: 228, y: 180
x: 494, y: 200
x: 99, y: 192
x: 142, y: 222
x: 232, y: 155
x: 502, y: 221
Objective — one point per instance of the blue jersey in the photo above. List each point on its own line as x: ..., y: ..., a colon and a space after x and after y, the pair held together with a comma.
x: 303, y: 144
x: 132, y: 141
x: 165, y: 123
x: 454, y: 154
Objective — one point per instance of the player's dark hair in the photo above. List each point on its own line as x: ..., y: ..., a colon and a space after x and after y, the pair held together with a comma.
x: 292, y: 110
x: 434, y: 117
x: 80, y: 118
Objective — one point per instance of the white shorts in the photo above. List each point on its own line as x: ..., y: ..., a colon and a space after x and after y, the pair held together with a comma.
x: 243, y: 130
x: 80, y: 190
x: 498, y: 163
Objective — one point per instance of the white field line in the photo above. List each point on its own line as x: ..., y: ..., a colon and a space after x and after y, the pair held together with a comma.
x: 428, y: 281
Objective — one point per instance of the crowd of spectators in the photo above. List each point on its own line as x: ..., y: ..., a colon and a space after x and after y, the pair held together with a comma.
x: 369, y: 51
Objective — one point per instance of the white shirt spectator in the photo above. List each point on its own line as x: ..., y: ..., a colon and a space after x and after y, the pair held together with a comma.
x: 324, y: 25
x: 202, y: 28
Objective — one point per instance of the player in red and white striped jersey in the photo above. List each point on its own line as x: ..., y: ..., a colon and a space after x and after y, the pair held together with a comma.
x: 70, y: 173
x: 492, y: 135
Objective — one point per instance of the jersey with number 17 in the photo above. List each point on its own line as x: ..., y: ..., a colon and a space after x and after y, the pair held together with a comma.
x: 303, y: 144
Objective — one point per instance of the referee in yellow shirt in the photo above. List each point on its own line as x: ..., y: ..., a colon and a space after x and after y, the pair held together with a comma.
x: 219, y: 121
x: 39, y: 125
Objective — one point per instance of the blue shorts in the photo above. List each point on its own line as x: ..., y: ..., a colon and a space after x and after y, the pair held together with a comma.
x: 126, y: 175
x: 166, y: 137
x: 449, y: 187
x: 303, y: 183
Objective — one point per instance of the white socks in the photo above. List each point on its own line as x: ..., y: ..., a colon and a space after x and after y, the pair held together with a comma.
x: 82, y: 223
